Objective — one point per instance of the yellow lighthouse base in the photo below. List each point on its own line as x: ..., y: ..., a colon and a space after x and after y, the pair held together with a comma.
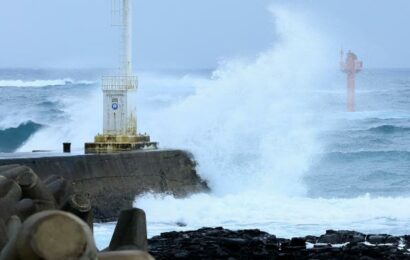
x: 120, y: 143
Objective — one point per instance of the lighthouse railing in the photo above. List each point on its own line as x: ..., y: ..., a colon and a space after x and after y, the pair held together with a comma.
x: 119, y: 83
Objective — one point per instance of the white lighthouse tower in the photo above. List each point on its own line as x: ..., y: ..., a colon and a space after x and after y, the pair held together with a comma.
x: 119, y: 115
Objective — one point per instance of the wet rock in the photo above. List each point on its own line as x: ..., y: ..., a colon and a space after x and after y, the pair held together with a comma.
x: 341, y: 237
x: 382, y: 239
x: 311, y: 239
x: 209, y: 243
x: 219, y: 243
x: 298, y: 242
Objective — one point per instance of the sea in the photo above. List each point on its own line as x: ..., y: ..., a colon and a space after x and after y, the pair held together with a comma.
x: 271, y: 135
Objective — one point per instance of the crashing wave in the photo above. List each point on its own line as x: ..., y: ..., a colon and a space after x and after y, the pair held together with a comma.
x: 12, y: 138
x: 389, y: 129
x: 42, y: 83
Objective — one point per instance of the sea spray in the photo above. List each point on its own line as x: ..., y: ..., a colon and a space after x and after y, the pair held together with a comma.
x: 251, y: 126
x: 42, y: 83
x: 279, y: 215
x: 255, y: 129
x: 81, y: 122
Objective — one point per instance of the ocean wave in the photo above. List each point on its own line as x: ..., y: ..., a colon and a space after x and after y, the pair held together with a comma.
x: 12, y: 138
x: 42, y: 83
x: 389, y: 129
x: 381, y: 175
x: 48, y: 103
x: 372, y: 115
x: 368, y: 155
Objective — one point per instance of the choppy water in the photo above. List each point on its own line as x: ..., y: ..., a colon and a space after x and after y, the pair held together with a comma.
x: 271, y: 137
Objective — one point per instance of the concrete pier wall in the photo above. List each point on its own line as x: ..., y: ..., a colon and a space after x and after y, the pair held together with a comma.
x: 114, y: 180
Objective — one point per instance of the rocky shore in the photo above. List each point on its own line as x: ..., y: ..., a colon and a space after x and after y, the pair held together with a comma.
x: 219, y: 243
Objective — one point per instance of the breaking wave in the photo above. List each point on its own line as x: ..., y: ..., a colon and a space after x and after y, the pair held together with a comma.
x: 251, y: 123
x: 42, y: 83
x: 12, y: 138
x: 389, y: 129
x: 367, y: 155
x: 255, y: 133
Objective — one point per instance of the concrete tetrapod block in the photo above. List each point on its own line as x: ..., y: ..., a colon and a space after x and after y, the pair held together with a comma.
x: 79, y: 204
x: 52, y: 235
x: 60, y: 188
x: 25, y: 208
x: 13, y: 225
x: 8, y: 230
x: 9, y: 189
x: 32, y: 187
x: 3, y: 234
x: 125, y: 255
x: 130, y: 231
x: 8, y: 167
x: 12, y: 171
x: 35, y: 189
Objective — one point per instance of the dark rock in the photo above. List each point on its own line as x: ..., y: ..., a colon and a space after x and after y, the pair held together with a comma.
x: 341, y: 237
x: 382, y: 239
x: 219, y: 243
x: 298, y: 242
x: 311, y: 239
x: 181, y: 224
x: 393, y: 240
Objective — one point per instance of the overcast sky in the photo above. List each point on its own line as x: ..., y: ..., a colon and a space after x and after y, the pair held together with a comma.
x: 192, y: 34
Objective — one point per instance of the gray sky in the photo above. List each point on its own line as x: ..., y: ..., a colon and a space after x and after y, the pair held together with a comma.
x: 191, y: 34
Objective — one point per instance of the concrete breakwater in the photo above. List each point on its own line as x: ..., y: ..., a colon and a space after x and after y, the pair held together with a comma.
x: 114, y: 180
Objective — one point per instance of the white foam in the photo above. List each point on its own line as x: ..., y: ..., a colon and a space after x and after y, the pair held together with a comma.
x: 254, y: 130
x: 84, y: 121
x: 251, y: 124
x: 42, y: 83
x: 283, y: 216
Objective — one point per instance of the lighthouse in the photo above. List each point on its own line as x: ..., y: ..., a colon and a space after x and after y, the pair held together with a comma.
x: 119, y: 113
x: 351, y: 66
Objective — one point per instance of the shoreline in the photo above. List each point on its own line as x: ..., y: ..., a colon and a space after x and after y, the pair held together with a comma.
x: 220, y: 243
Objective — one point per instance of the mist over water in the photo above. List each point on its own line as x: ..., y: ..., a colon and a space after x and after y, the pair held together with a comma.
x: 270, y: 135
x: 257, y: 129
x: 251, y: 122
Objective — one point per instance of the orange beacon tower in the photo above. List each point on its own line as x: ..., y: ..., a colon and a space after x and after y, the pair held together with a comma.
x: 351, y: 66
